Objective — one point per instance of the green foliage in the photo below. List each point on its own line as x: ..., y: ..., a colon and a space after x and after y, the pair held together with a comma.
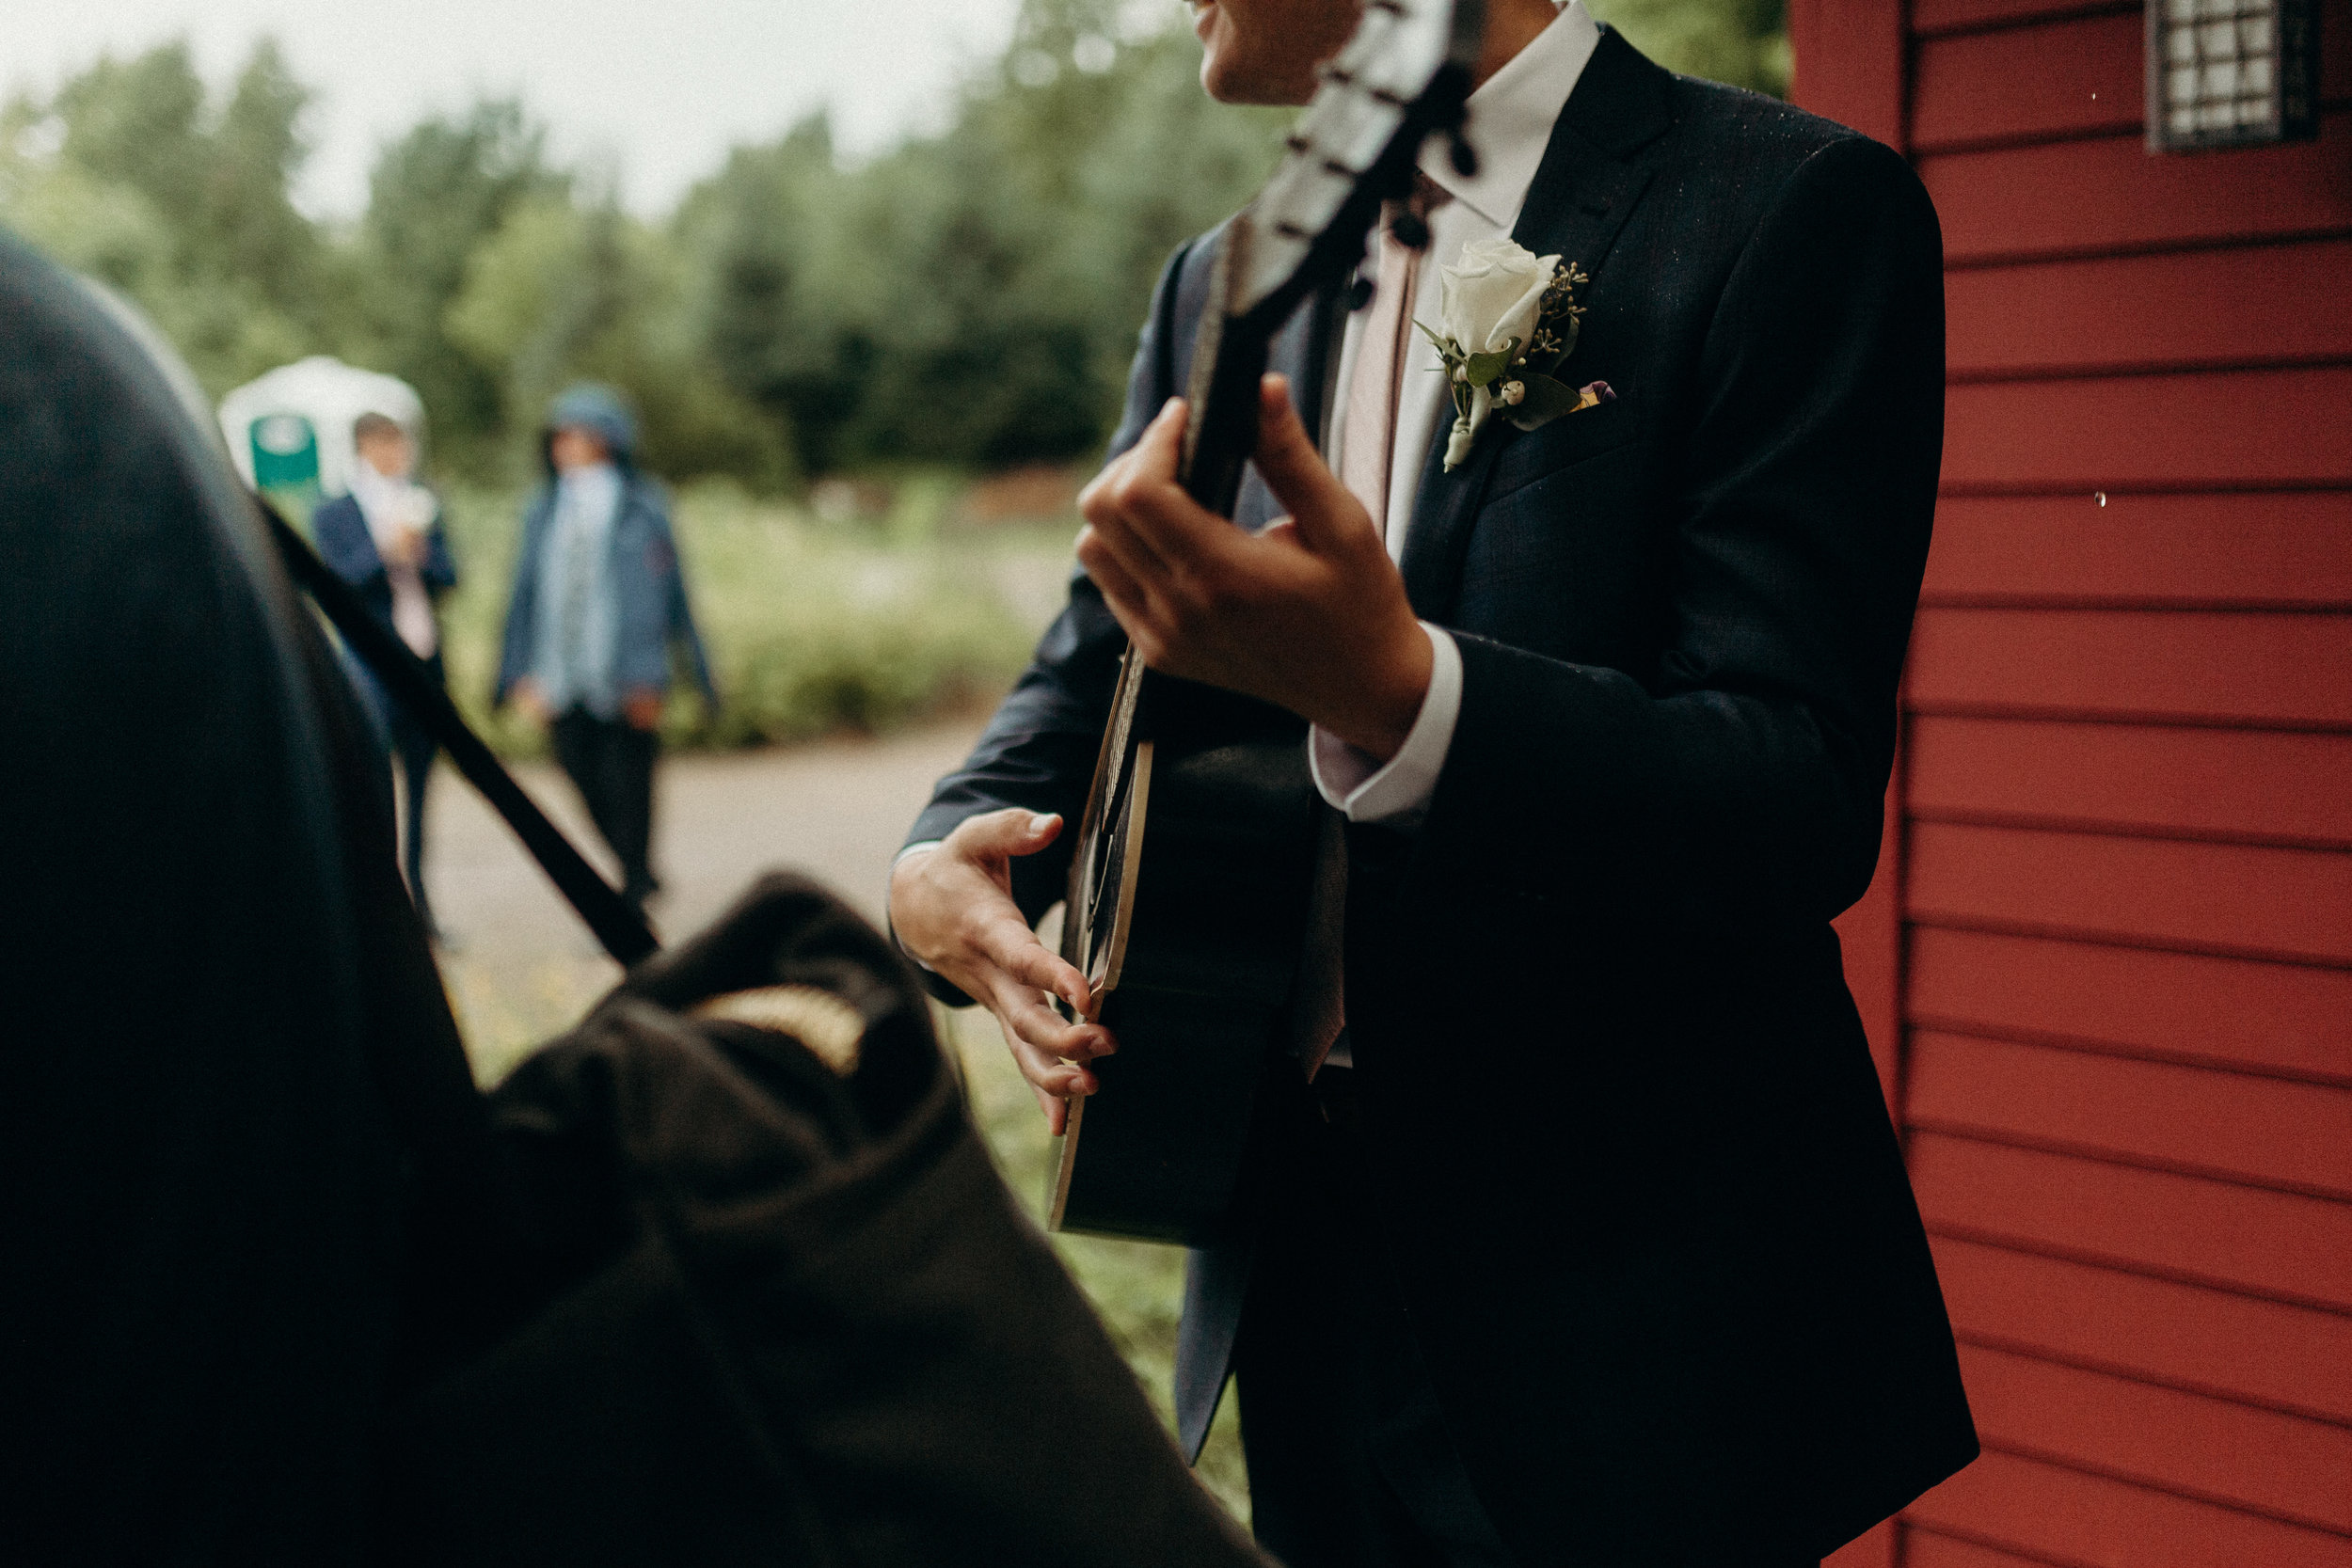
x: 438, y: 195
x: 812, y: 630
x: 973, y: 298
x: 967, y: 298
x: 180, y: 206
x: 1745, y: 43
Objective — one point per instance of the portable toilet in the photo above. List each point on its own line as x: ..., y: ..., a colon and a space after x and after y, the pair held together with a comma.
x: 289, y: 431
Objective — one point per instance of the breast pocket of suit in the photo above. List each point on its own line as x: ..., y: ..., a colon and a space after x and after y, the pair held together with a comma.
x: 1568, y: 559
x: 1529, y: 455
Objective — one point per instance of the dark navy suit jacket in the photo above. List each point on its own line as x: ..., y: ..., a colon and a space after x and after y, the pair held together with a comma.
x: 1648, y: 1208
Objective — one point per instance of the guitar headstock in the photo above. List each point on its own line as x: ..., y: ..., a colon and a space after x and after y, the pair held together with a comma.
x: 1402, y: 77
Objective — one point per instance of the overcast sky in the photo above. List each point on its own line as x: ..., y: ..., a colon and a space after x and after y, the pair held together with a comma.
x: 659, y: 88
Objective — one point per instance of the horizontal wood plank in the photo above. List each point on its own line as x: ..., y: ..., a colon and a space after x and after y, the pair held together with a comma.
x: 2264, y: 1130
x: 1873, y: 1548
x: 2242, y: 900
x: 2186, y: 1335
x: 2092, y: 197
x: 2258, y: 549
x: 2282, y: 1019
x: 2246, y: 305
x: 2222, y: 784
x: 2282, y: 1245
x: 2185, y: 666
x: 2283, y: 1466
x: 2038, y: 81
x: 1933, y: 17
x: 2047, y: 79
x: 2063, y: 1515
x: 1925, y: 1550
x: 2213, y: 430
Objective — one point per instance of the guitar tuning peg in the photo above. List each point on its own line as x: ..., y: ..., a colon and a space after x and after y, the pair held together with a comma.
x: 1462, y: 155
x: 1359, y: 294
x: 1410, y: 229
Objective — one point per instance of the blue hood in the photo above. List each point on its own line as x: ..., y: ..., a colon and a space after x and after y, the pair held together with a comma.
x: 588, y: 405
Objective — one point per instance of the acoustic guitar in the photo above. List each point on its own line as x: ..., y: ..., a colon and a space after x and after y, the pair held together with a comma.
x: 1187, y: 900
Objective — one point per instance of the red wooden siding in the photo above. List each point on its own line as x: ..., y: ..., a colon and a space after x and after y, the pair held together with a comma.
x: 2107, y: 964
x: 2231, y: 551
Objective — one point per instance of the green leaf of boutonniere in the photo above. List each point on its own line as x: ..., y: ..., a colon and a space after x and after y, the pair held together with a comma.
x: 1479, y: 369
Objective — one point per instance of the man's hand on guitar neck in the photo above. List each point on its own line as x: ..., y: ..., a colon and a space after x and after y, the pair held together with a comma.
x: 952, y: 906
x: 1310, y: 615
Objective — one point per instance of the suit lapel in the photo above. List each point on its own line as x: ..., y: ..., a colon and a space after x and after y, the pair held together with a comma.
x: 1594, y: 173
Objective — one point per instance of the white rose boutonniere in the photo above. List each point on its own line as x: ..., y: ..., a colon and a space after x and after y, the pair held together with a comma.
x: 1506, y: 318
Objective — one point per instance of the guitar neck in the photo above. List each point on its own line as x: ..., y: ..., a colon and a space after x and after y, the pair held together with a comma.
x: 1229, y: 358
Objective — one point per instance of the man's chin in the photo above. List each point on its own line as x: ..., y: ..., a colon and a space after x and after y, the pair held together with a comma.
x: 1229, y: 84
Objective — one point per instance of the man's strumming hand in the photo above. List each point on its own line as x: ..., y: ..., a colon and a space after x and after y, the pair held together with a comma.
x: 952, y: 907
x: 1310, y: 615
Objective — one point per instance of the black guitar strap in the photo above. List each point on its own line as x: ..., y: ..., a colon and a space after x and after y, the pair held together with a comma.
x: 617, y: 925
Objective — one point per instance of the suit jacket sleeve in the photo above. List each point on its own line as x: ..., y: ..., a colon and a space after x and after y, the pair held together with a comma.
x: 1039, y: 750
x: 1743, y: 782
x: 516, y: 651
x: 682, y: 629
x: 439, y: 571
x: 344, y: 544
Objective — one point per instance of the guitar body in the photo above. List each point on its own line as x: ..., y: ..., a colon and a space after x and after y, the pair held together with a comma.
x: 1189, y: 890
x: 1210, y: 848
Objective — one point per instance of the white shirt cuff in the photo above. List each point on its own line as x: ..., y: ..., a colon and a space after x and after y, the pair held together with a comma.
x: 1396, y: 793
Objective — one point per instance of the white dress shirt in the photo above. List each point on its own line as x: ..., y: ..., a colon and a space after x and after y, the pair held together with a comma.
x: 1510, y: 117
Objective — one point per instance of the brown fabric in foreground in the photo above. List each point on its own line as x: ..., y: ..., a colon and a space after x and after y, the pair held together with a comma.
x: 797, y: 1317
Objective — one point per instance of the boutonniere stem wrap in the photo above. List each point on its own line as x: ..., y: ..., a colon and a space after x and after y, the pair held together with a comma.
x: 1506, y: 320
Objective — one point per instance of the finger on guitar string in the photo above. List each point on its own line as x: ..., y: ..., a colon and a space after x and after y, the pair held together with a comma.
x: 1032, y: 964
x: 1126, y: 596
x: 1146, y: 515
x: 1101, y: 503
x: 1032, y: 1032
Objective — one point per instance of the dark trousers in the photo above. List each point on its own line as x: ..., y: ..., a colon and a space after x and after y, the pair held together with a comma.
x: 610, y: 762
x: 1350, y: 1462
x: 1351, y: 1465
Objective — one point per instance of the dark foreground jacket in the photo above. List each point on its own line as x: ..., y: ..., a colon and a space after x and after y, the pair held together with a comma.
x: 1646, y: 1202
x: 279, y: 1287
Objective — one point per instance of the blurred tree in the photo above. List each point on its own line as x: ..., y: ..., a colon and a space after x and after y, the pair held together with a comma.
x: 973, y: 298
x: 436, y: 195
x: 185, y: 210
x: 767, y: 280
x: 563, y: 290
x: 969, y: 297
x: 1745, y: 43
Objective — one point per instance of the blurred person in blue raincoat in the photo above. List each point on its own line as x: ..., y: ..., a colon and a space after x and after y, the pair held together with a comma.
x: 384, y: 538
x: 599, y: 600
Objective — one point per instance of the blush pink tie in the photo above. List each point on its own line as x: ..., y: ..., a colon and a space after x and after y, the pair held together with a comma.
x: 1367, y: 448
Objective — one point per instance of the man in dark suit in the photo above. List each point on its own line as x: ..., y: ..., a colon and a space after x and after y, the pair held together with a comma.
x: 1587, y: 1239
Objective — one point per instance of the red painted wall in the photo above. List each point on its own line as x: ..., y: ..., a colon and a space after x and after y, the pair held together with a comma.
x: 2107, y: 962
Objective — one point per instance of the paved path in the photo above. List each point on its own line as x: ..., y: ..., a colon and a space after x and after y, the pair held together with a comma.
x: 520, y: 964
